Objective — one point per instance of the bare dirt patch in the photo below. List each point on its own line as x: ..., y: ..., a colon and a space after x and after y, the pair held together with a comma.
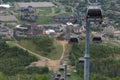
x: 116, y: 56
x: 53, y: 65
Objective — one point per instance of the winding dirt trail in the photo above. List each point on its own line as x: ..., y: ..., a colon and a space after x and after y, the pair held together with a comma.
x: 33, y: 53
x: 44, y: 61
x: 52, y: 64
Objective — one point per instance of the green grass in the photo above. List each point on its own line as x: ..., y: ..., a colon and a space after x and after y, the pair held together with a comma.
x: 29, y: 45
x: 27, y: 77
x: 75, y: 76
x: 112, y: 43
x: 44, y: 11
x: 45, y: 20
x: 10, y: 43
x: 57, y: 9
x: 55, y: 54
x: 67, y: 49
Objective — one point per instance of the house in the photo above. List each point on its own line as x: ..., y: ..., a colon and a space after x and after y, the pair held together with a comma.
x: 117, y: 34
x: 35, y: 4
x: 4, y: 33
x: 6, y: 6
x: 28, y: 9
x: 50, y: 32
x: 35, y: 30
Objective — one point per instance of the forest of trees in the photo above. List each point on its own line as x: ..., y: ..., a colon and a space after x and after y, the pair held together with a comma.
x: 104, y: 64
x: 15, y: 61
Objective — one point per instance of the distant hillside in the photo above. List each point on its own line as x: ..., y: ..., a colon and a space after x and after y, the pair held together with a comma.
x: 15, y: 61
x: 104, y: 61
x: 43, y: 45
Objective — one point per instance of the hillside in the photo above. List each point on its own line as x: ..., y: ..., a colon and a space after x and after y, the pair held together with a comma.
x: 14, y: 63
x: 43, y: 45
x: 104, y: 61
x: 27, y: 52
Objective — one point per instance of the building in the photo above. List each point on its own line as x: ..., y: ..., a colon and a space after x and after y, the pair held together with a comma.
x: 34, y: 4
x: 56, y: 27
x: 4, y: 33
x: 117, y: 34
x: 50, y: 32
x: 64, y: 19
x: 22, y: 30
x: 6, y: 6
x: 22, y: 27
x: 28, y: 9
x: 36, y: 30
x: 8, y: 18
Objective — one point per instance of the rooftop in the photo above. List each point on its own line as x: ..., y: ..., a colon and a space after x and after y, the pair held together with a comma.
x: 8, y: 18
x: 35, y: 4
x: 5, y: 5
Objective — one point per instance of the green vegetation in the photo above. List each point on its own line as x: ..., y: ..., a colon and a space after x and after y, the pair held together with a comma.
x: 43, y: 45
x: 104, y: 58
x: 27, y: 77
x: 44, y: 11
x: 104, y: 61
x: 44, y: 20
x: 75, y: 76
x: 2, y: 76
x: 68, y: 9
x: 15, y: 61
x: 57, y: 9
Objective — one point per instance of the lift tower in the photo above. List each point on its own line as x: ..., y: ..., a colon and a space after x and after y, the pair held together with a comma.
x: 94, y: 15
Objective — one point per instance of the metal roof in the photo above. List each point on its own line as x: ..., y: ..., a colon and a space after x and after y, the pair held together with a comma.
x: 8, y: 18
x: 35, y: 4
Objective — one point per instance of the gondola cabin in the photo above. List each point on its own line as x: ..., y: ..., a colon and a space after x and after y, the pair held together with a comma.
x: 73, y: 40
x: 81, y: 61
x: 97, y: 39
x: 58, y: 74
x: 68, y: 74
x: 56, y: 78
x: 94, y: 12
x: 62, y: 78
x: 62, y: 68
